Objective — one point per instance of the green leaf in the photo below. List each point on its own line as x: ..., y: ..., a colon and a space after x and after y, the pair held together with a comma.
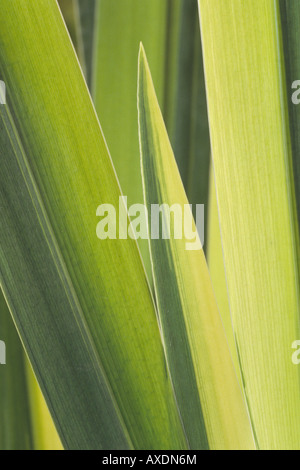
x: 42, y: 427
x: 82, y: 306
x: 121, y: 25
x: 25, y: 422
x: 15, y: 423
x: 44, y: 309
x: 187, y: 120
x: 67, y: 8
x: 252, y: 162
x: 85, y: 23
x: 216, y: 268
x: 290, y: 21
x: 208, y: 394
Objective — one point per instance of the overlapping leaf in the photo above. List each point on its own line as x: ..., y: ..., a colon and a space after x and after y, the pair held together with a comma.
x: 209, y: 397
x: 82, y: 306
x: 252, y: 161
x: 15, y: 422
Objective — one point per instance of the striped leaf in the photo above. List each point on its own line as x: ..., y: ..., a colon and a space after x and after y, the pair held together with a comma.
x: 252, y: 162
x: 209, y: 397
x: 88, y: 323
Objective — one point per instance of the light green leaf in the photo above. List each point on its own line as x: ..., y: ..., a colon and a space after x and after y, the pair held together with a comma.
x: 216, y: 268
x: 252, y: 161
x: 43, y: 429
x: 208, y: 394
x: 82, y: 306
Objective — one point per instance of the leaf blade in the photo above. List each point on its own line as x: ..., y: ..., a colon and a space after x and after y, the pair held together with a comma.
x: 35, y: 335
x: 191, y: 324
x: 185, y: 105
x: 290, y: 22
x: 117, y: 38
x: 72, y: 171
x: 15, y: 428
x: 251, y: 150
x: 85, y: 20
